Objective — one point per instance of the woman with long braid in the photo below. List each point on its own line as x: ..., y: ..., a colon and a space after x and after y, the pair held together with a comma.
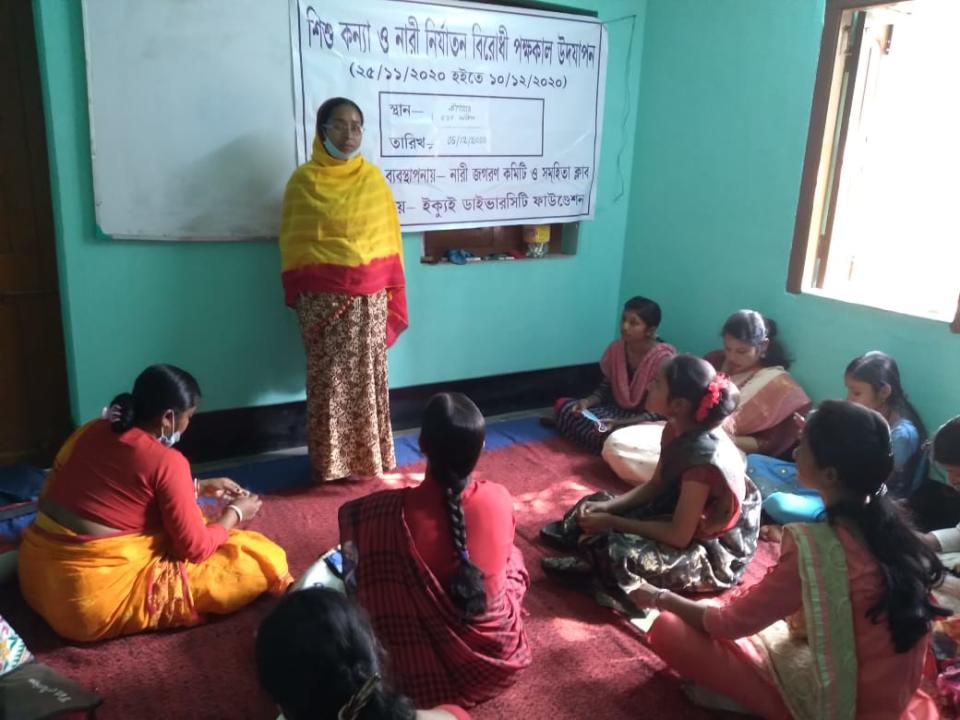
x: 841, y: 625
x: 436, y: 568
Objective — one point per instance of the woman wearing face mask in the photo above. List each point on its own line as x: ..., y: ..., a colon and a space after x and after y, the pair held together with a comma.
x: 342, y: 261
x: 120, y: 545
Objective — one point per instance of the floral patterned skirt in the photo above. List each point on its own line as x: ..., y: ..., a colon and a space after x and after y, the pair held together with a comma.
x: 620, y: 560
x: 348, y: 406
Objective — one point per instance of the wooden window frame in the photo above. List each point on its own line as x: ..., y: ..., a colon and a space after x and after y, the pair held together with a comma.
x: 833, y: 100
x: 825, y: 135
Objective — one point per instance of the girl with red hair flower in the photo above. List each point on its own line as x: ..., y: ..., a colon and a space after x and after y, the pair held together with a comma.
x: 694, y: 526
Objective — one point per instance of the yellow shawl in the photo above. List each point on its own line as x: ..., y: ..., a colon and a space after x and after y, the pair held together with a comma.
x: 340, y: 233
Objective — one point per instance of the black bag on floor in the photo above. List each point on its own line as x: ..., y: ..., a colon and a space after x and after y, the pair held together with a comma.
x: 36, y: 692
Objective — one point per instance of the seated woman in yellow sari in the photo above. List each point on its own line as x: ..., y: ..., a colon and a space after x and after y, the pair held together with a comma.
x: 120, y: 545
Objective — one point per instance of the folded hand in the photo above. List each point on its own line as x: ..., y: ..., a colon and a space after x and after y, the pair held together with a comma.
x: 221, y: 487
x: 596, y: 521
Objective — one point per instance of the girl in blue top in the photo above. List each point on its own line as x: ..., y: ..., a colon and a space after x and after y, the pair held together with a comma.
x: 872, y: 380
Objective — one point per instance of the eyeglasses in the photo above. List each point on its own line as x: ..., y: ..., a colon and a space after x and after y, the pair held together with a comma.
x: 343, y: 128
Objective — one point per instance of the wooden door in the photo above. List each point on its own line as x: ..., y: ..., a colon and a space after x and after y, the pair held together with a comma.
x: 34, y: 406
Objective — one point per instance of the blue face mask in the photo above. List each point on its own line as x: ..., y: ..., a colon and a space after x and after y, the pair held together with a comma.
x: 338, y: 154
x: 171, y: 439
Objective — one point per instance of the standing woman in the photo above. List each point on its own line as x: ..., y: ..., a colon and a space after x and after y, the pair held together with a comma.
x: 342, y: 260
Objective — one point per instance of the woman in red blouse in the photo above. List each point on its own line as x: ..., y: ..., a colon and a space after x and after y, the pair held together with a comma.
x: 436, y: 568
x: 120, y: 545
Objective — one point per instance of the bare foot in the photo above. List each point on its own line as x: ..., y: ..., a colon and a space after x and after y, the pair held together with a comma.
x: 771, y: 533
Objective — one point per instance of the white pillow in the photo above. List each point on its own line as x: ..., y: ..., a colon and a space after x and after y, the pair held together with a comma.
x: 633, y: 452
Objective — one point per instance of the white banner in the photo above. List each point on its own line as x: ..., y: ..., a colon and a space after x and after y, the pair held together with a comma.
x: 477, y: 116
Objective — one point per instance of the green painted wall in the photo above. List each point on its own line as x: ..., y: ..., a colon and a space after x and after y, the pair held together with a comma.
x: 696, y: 199
x: 724, y: 105
x: 217, y: 310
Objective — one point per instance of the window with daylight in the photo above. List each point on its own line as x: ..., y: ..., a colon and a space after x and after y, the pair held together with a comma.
x: 878, y: 221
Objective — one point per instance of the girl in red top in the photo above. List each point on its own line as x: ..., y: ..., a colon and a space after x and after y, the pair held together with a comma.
x: 120, y: 545
x: 436, y: 568
x: 694, y: 526
x: 439, y: 510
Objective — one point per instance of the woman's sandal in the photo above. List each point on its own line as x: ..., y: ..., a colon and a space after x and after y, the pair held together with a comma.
x: 618, y: 601
x: 566, y: 565
x: 553, y: 535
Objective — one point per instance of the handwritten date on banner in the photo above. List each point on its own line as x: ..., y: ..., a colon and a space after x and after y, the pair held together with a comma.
x: 444, y: 125
x: 432, y: 39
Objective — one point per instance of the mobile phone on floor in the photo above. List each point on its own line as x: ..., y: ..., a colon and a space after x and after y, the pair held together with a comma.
x: 590, y: 416
x: 334, y: 560
x: 602, y: 425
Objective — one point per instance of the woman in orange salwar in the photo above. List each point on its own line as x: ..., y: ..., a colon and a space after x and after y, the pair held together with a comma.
x: 342, y: 259
x: 840, y: 627
x: 120, y: 545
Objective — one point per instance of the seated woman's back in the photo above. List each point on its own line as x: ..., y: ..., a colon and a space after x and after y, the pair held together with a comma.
x: 886, y: 678
x: 859, y: 586
x: 487, y: 512
x: 317, y: 657
x: 114, y: 479
x: 436, y: 568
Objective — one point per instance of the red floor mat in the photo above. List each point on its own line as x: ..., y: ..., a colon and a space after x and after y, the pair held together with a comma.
x: 587, y: 662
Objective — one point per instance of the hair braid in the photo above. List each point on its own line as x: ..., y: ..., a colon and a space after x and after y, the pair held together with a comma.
x: 452, y: 438
x: 466, y: 589
x: 855, y: 442
x: 458, y: 524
